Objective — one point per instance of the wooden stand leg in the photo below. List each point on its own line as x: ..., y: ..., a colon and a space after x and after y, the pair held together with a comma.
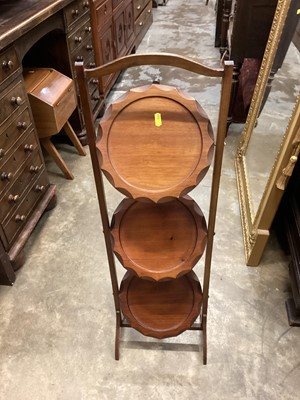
x: 204, y: 340
x: 51, y: 150
x: 74, y: 139
x: 117, y: 339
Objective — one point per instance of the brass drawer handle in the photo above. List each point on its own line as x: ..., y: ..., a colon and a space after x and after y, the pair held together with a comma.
x: 78, y: 39
x: 85, y: 4
x: 88, y: 29
x: 20, y: 218
x: 92, y: 65
x: 6, y: 176
x: 89, y: 47
x: 39, y: 188
x: 75, y: 13
x: 34, y: 169
x: 16, y: 101
x: 8, y: 65
x: 13, y: 198
x: 79, y: 58
x: 22, y: 125
x: 28, y: 148
x: 2, y: 153
x: 95, y: 81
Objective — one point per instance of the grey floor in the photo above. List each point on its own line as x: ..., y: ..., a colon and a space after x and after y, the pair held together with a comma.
x: 57, y: 321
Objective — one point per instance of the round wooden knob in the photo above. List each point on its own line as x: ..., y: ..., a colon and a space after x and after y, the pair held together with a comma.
x: 138, y: 7
x: 34, y: 169
x: 8, y: 65
x: 39, y: 188
x: 13, y: 198
x: 22, y: 125
x: 28, y: 148
x: 6, y: 176
x: 2, y: 153
x: 16, y: 100
x: 20, y: 218
x: 141, y: 23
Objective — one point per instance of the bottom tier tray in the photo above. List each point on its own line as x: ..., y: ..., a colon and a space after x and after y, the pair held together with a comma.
x: 161, y: 309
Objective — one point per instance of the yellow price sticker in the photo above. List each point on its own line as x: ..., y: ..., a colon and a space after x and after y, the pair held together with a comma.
x: 157, y: 119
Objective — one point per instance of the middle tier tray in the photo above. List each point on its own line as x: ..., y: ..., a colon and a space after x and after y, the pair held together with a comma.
x: 159, y: 241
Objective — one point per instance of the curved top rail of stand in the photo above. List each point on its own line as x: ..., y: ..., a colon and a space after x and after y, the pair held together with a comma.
x: 168, y: 59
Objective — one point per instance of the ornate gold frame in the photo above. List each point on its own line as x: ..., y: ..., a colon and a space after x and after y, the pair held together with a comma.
x: 256, y: 226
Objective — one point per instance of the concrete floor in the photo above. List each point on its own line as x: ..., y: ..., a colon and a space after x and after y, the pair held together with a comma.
x: 57, y: 322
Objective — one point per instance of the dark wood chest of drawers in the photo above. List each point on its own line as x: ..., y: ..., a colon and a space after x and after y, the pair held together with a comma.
x: 25, y: 191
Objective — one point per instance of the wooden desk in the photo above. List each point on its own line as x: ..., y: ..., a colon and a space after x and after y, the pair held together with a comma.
x: 33, y: 33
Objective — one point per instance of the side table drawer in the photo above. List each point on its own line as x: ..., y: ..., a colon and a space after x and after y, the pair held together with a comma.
x: 104, y: 12
x: 141, y: 22
x: 14, y: 195
x: 22, y: 213
x: 138, y: 6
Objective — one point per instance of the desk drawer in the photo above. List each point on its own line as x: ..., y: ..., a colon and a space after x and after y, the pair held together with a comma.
x: 15, y: 194
x: 81, y: 34
x: 12, y: 132
x: 75, y: 11
x: 22, y: 213
x: 22, y: 152
x: 11, y: 101
x: 83, y: 52
x: 9, y: 64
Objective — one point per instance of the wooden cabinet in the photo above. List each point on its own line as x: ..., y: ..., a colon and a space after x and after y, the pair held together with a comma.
x: 81, y: 48
x: 118, y: 27
x: 242, y: 30
x: 287, y: 222
x: 25, y: 191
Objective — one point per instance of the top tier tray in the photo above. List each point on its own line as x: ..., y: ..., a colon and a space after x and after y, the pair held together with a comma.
x: 155, y: 143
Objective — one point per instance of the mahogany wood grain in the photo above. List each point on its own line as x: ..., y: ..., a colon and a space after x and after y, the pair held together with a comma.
x: 143, y: 159
x: 159, y: 241
x: 161, y: 309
